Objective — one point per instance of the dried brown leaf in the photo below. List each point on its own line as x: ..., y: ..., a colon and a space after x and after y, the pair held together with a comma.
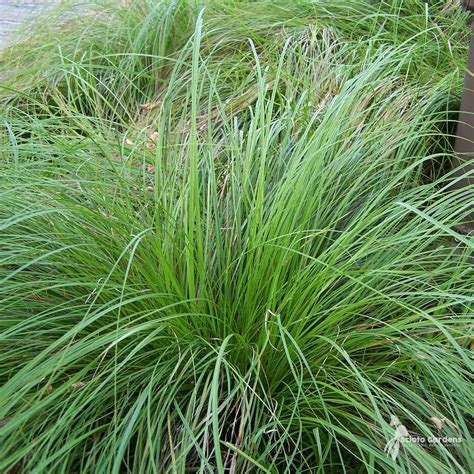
x: 439, y: 422
x: 146, y: 106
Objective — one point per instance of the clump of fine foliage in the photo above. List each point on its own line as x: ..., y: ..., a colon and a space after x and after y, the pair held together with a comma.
x: 228, y: 240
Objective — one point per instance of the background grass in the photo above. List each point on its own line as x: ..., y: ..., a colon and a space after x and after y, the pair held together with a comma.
x: 227, y: 239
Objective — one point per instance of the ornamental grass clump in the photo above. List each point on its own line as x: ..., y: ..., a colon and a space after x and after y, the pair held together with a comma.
x: 228, y: 241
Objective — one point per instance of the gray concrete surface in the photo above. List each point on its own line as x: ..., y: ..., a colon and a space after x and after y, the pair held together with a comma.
x: 14, y: 13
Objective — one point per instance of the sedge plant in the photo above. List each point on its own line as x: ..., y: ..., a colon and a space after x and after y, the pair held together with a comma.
x: 223, y: 246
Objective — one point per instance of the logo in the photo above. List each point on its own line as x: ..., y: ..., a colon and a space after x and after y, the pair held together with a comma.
x: 401, y: 435
x: 392, y: 448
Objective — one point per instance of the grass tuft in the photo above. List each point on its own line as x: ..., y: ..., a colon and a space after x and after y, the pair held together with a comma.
x: 226, y: 245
